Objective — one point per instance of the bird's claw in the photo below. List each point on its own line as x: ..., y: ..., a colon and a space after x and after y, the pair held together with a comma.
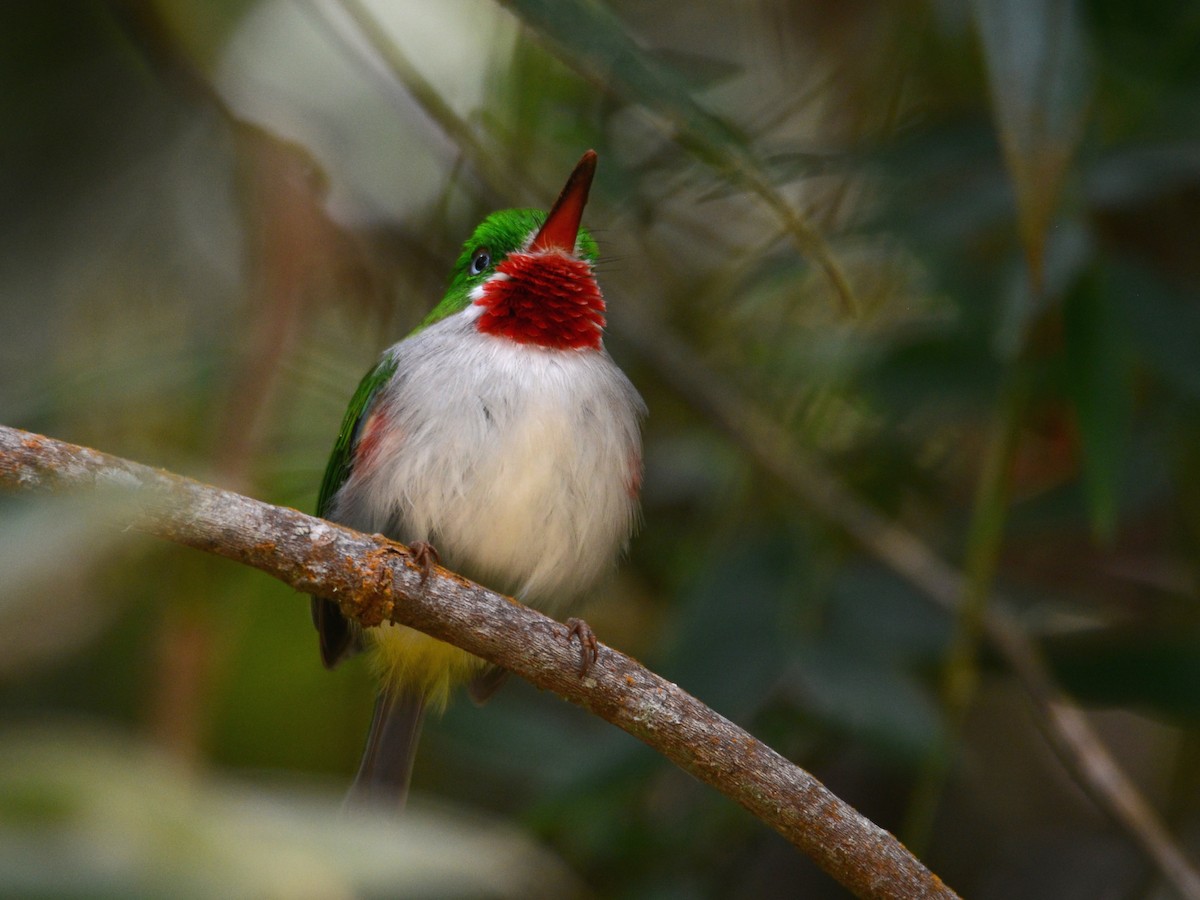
x: 588, y: 648
x: 425, y: 555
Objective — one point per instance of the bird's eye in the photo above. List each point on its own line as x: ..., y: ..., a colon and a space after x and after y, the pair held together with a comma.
x: 481, y: 260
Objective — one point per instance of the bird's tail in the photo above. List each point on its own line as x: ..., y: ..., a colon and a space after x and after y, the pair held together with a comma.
x: 387, y: 760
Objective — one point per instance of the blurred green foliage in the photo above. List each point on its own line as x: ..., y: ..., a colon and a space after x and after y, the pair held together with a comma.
x: 216, y: 215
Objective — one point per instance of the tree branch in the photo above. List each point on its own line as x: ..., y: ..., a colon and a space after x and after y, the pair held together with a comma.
x: 1067, y: 729
x: 375, y: 580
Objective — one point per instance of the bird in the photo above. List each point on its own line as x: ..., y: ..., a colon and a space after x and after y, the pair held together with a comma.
x: 498, y: 438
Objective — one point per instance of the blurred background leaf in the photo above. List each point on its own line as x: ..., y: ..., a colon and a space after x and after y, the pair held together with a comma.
x: 217, y: 215
x: 85, y: 813
x: 1038, y: 75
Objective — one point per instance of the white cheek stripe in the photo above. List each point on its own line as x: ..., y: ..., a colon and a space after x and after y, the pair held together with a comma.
x: 476, y: 293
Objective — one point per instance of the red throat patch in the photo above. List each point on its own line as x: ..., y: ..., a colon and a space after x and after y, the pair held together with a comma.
x: 548, y: 299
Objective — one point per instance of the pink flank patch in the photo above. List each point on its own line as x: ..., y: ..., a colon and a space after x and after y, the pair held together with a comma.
x: 369, y: 439
x: 549, y: 299
x: 633, y: 484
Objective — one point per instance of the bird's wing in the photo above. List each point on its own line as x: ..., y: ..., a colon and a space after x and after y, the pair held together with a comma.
x: 341, y: 460
x: 338, y: 639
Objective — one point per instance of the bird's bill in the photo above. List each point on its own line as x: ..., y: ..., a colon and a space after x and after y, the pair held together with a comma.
x: 562, y: 224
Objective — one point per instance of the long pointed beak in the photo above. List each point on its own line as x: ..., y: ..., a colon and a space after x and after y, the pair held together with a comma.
x: 562, y: 224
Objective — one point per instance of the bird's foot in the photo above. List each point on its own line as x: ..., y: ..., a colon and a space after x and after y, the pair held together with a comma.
x: 425, y: 555
x: 588, y: 649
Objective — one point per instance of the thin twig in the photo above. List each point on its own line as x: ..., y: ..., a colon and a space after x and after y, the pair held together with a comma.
x: 376, y: 580
x: 503, y: 180
x: 774, y: 449
x: 985, y: 539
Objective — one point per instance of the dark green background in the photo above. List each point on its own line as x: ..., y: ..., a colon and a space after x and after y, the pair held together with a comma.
x: 1010, y: 190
